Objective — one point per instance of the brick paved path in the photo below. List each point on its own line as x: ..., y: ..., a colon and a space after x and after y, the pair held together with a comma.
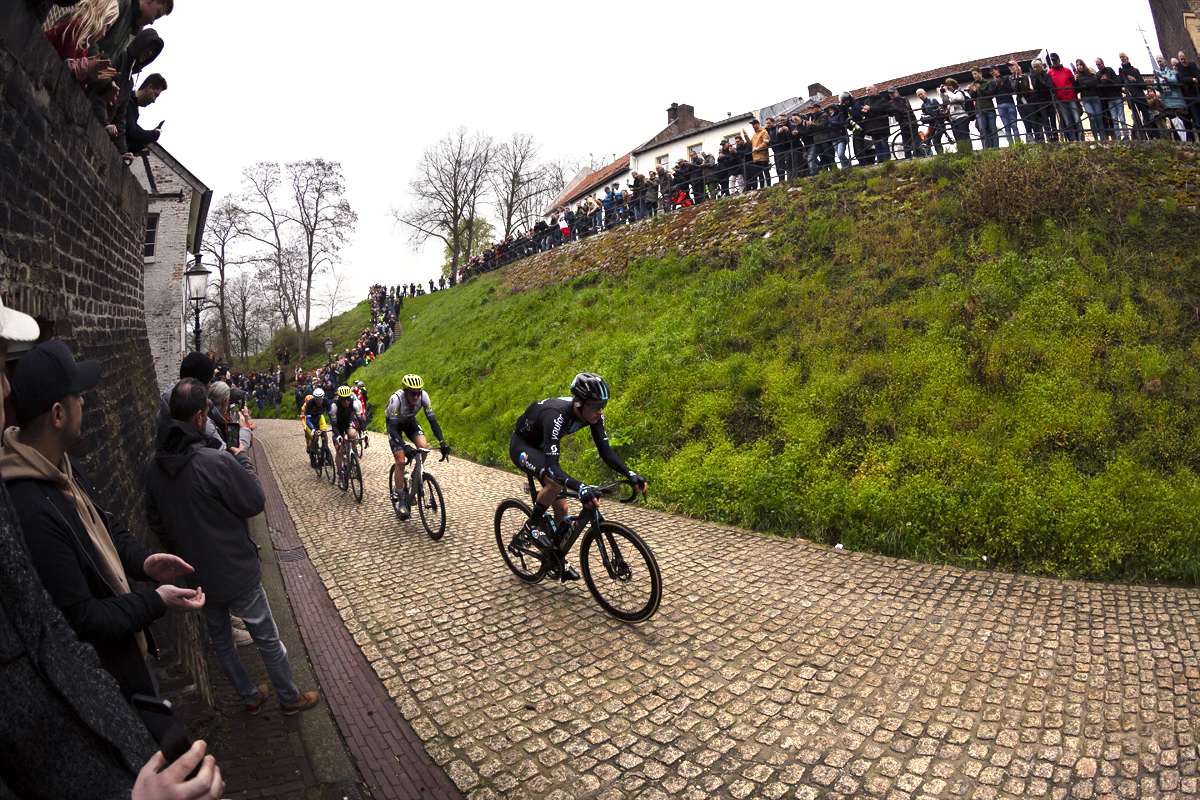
x: 773, y: 669
x: 388, y: 754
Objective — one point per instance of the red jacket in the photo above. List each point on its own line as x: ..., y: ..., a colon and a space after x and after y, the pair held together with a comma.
x: 1063, y: 79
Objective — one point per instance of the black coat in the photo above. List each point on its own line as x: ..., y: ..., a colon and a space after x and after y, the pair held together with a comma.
x: 66, y: 733
x: 66, y: 559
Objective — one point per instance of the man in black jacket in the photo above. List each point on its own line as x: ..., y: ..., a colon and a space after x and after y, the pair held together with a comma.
x: 87, y: 559
x: 198, y: 501
x: 66, y: 731
x: 137, y: 137
x: 905, y: 120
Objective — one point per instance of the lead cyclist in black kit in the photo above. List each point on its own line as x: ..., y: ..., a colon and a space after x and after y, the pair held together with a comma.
x: 535, y: 448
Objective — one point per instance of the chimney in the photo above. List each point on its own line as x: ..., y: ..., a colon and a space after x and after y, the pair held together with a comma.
x: 816, y: 91
x: 686, y: 117
x: 672, y: 112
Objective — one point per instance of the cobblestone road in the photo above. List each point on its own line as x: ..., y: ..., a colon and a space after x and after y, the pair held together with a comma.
x: 773, y: 668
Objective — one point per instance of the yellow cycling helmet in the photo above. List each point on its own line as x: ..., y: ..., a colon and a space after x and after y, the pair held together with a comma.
x: 343, y: 391
x: 413, y: 382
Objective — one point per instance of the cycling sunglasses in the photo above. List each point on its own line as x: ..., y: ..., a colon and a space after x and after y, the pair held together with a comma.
x: 597, y: 405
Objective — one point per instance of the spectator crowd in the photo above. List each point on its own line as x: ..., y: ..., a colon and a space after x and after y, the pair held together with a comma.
x: 1049, y: 103
x: 375, y: 339
x: 106, y: 44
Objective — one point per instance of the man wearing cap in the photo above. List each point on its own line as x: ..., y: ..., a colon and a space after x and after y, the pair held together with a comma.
x: 65, y: 729
x: 85, y: 556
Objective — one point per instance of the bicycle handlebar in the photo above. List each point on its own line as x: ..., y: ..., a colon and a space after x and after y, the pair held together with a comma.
x: 610, y: 489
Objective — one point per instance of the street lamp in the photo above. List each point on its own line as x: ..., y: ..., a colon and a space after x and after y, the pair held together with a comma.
x: 197, y: 285
x: 329, y: 350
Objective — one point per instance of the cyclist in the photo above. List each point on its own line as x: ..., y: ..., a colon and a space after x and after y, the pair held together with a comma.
x: 535, y: 448
x: 344, y: 419
x: 316, y: 409
x: 401, y: 416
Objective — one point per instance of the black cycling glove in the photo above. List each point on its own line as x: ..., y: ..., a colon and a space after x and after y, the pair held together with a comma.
x: 587, y: 494
x: 638, y: 481
x: 445, y: 451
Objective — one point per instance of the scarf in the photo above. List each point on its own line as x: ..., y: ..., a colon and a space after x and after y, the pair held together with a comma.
x: 20, y: 461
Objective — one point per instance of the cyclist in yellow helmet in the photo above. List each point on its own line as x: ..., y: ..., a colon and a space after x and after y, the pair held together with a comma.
x: 401, y: 415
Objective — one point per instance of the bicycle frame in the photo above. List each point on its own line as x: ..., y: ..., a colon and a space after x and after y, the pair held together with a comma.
x: 586, y: 517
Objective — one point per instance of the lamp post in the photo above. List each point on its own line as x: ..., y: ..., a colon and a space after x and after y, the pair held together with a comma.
x: 329, y: 351
x: 197, y: 285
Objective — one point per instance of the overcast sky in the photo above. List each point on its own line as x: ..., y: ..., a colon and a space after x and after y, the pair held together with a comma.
x: 371, y: 85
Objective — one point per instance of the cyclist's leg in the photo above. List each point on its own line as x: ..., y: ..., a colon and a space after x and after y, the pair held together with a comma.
x: 532, y: 460
x: 396, y: 443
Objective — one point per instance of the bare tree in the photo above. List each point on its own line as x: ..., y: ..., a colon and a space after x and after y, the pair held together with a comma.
x: 245, y: 313
x: 515, y: 178
x: 325, y: 221
x: 335, y: 291
x: 224, y: 227
x: 267, y: 225
x: 300, y: 226
x: 450, y: 182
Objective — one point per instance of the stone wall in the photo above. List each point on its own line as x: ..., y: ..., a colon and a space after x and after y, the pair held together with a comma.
x: 163, y: 280
x: 72, y: 223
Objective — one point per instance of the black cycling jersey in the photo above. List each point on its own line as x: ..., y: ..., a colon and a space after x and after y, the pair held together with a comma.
x: 316, y: 406
x: 547, y: 422
x: 343, y: 416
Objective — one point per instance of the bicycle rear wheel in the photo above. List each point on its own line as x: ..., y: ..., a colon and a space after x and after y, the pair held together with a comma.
x: 430, y: 507
x: 620, y: 572
x: 519, y: 552
x: 354, y: 476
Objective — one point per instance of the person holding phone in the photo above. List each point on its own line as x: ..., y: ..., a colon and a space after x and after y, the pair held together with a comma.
x: 66, y: 731
x: 137, y: 137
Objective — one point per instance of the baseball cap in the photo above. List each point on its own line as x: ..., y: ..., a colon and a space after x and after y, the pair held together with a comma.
x: 47, y: 374
x: 17, y: 327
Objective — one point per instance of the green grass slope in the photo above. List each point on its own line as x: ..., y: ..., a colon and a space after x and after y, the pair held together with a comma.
x: 988, y: 355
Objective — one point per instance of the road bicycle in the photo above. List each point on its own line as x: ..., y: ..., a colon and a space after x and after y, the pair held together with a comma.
x: 618, y: 567
x: 351, y: 477
x: 422, y: 491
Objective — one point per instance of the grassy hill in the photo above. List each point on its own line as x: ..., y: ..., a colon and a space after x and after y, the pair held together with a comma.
x: 988, y: 355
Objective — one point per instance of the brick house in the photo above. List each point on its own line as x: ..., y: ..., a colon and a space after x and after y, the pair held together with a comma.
x: 175, y: 217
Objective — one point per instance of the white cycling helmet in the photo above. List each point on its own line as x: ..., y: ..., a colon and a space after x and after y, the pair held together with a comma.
x: 318, y: 392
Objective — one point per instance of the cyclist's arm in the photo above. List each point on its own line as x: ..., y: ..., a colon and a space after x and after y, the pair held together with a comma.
x: 433, y: 423
x: 607, y: 454
x: 551, y: 449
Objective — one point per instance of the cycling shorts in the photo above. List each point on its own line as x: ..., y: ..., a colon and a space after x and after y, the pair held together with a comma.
x: 397, y: 429
x: 322, y: 423
x: 534, y: 461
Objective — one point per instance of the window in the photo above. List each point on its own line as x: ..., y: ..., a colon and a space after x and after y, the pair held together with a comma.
x: 151, y: 233
x: 664, y: 160
x: 695, y: 149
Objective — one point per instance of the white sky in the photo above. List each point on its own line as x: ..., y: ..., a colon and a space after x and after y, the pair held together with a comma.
x: 372, y: 84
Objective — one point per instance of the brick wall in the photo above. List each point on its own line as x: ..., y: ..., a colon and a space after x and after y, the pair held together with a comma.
x: 1169, y: 24
x: 71, y: 234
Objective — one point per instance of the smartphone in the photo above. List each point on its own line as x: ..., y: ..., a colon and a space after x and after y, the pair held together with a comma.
x: 166, y: 726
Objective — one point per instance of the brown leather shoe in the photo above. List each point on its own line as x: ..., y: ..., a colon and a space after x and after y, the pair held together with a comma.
x: 253, y: 708
x: 305, y: 701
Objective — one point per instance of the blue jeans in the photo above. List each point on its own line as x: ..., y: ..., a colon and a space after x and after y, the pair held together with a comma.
x: 1008, y: 121
x: 1095, y: 114
x: 1069, y: 114
x: 252, y: 607
x: 840, y: 147
x: 985, y: 121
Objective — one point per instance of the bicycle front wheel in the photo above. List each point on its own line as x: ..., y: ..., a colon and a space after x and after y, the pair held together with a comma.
x: 620, y: 572
x: 354, y: 476
x: 430, y: 507
x: 517, y: 548
x: 330, y: 468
